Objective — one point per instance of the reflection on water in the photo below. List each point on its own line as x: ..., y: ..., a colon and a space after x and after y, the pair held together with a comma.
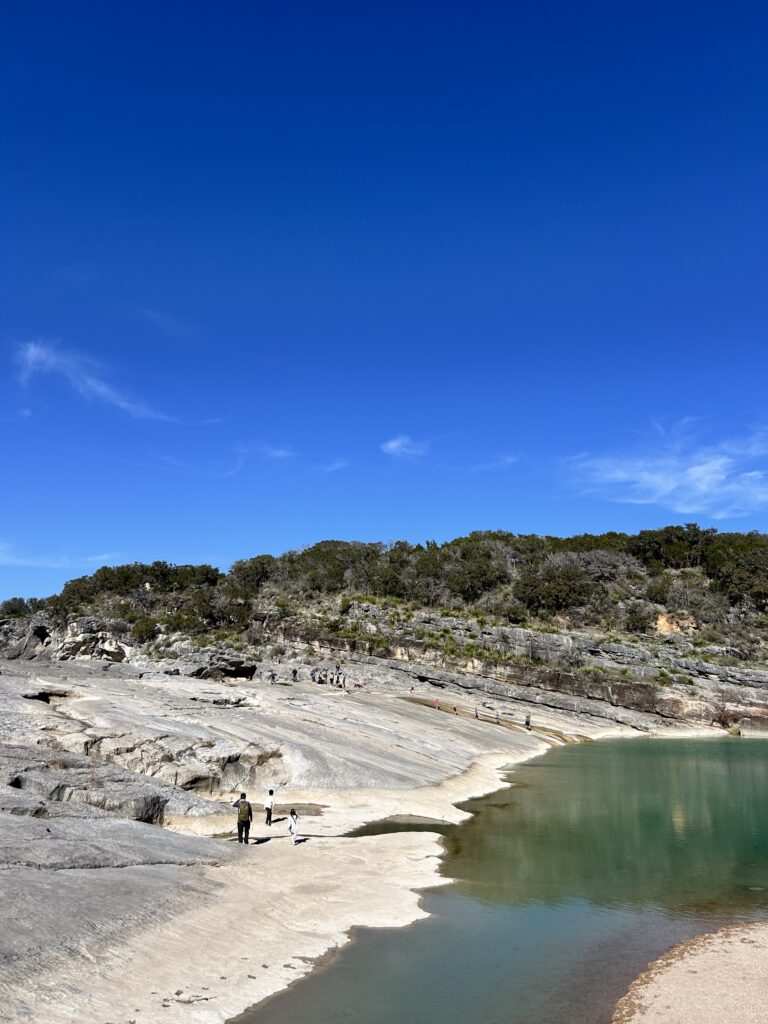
x: 681, y: 824
x: 597, y: 860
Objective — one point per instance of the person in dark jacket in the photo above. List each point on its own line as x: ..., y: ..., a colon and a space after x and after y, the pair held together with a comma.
x: 244, y: 819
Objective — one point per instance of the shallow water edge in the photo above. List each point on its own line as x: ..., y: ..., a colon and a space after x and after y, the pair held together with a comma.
x: 568, y: 885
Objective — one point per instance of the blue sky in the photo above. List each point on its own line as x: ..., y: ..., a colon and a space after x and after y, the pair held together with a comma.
x: 275, y: 273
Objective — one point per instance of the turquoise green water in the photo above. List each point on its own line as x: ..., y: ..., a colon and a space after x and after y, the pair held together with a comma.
x: 600, y: 857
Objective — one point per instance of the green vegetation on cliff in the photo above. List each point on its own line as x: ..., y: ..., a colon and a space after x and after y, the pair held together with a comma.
x: 714, y: 584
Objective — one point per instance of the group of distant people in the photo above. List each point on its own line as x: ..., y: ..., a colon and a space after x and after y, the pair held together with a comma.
x: 245, y: 818
x: 329, y: 677
x: 322, y: 676
x: 455, y: 710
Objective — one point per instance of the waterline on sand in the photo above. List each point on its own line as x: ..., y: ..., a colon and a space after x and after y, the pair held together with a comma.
x: 567, y: 885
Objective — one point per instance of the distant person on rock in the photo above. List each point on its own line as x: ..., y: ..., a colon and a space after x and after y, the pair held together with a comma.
x: 244, y: 818
x: 269, y: 805
x: 476, y: 714
x: 293, y: 826
x: 295, y: 674
x: 498, y: 718
x: 528, y: 720
x: 437, y: 703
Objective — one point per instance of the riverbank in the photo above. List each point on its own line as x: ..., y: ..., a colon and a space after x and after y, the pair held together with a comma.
x: 599, y: 859
x: 204, y: 929
x: 253, y: 927
x: 711, y: 979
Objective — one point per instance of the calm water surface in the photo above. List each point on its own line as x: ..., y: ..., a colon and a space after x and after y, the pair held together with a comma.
x: 601, y: 857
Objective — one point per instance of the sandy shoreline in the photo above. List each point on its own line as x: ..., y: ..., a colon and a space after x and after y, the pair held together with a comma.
x: 280, y: 906
x: 708, y: 980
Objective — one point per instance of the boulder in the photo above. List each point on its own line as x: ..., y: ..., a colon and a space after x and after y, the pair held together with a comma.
x: 91, y: 638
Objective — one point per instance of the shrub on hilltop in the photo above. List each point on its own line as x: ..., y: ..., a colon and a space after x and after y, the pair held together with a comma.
x: 698, y: 578
x: 13, y: 608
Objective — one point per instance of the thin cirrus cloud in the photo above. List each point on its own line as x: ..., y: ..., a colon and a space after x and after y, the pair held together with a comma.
x: 22, y: 414
x: 335, y: 466
x: 275, y: 452
x: 721, y: 480
x: 267, y: 452
x: 36, y: 358
x: 167, y: 323
x: 11, y: 558
x: 230, y: 465
x: 404, y: 446
x: 502, y: 462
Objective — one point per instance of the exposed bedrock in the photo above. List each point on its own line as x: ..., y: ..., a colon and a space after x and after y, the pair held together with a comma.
x: 667, y: 678
x: 116, y: 786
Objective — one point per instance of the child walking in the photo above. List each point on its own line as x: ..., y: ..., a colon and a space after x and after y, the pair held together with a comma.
x: 293, y: 826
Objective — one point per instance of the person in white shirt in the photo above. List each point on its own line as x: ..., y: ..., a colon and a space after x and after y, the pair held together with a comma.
x: 269, y: 805
x: 293, y: 826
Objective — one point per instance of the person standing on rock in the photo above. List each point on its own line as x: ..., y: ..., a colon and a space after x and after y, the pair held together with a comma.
x: 528, y: 720
x: 269, y: 805
x: 244, y: 818
x: 295, y: 674
x: 293, y: 826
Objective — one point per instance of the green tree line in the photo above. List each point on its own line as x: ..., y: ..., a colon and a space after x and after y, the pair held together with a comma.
x: 505, y: 574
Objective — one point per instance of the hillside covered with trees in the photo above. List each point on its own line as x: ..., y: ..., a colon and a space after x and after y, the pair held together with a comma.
x: 712, y: 586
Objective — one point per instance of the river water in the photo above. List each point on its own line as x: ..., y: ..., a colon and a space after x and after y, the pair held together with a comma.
x: 600, y: 858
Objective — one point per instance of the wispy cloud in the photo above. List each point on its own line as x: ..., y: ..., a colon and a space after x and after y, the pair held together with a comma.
x: 213, y: 469
x: 722, y: 480
x: 335, y: 466
x: 403, y: 446
x: 22, y: 414
x: 168, y: 323
x: 242, y: 451
x: 11, y: 558
x: 43, y: 357
x: 269, y: 451
x: 106, y: 558
x: 502, y: 462
x: 266, y: 452
x: 230, y: 463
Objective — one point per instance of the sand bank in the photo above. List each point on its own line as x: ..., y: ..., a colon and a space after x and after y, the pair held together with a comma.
x: 712, y: 979
x: 258, y: 925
